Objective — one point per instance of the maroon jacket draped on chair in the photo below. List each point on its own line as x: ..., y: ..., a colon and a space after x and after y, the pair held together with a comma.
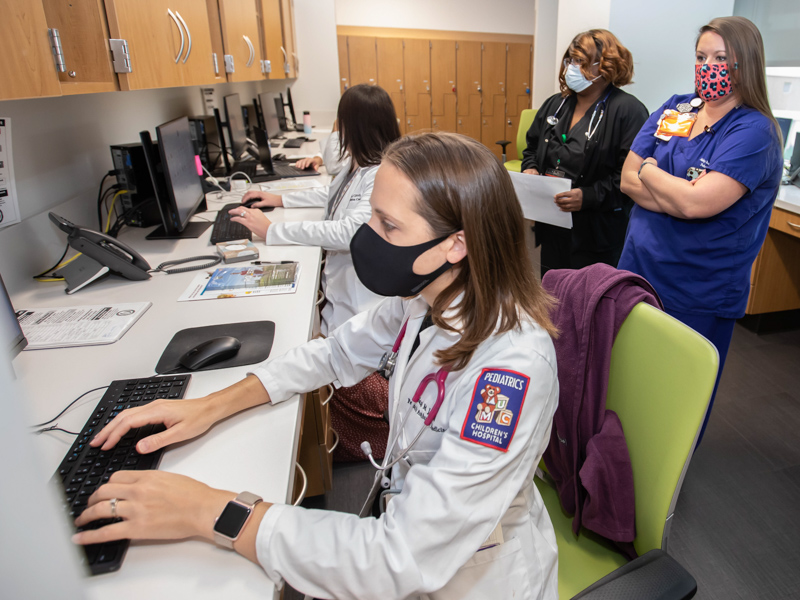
x: 587, y: 456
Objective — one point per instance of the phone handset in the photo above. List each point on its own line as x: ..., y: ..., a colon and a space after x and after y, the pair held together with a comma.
x: 114, y: 254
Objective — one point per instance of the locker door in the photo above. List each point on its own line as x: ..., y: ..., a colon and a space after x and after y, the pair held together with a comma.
x: 344, y: 64
x: 362, y: 59
x: 493, y: 79
x: 468, y: 89
x: 520, y: 58
x: 443, y: 85
x: 390, y: 74
x: 417, y: 66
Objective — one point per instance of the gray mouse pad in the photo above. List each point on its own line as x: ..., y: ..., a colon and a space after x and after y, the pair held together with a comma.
x: 256, y: 338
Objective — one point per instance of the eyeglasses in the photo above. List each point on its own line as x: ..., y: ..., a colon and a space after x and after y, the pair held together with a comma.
x: 578, y: 62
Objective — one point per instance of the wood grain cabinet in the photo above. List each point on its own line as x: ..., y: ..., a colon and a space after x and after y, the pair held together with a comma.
x: 240, y: 39
x: 168, y: 41
x: 775, y: 279
x: 272, y: 38
x: 27, y: 68
x: 79, y: 34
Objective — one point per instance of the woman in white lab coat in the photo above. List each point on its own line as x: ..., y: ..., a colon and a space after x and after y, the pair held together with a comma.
x: 465, y: 520
x: 366, y: 123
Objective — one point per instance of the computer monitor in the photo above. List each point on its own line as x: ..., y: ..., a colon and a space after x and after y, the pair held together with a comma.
x: 269, y: 113
x: 236, y: 131
x: 13, y: 339
x: 173, y: 171
x: 290, y: 104
x: 785, y: 125
x: 794, y: 164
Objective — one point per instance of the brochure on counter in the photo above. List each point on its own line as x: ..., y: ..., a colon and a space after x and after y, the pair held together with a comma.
x: 264, y: 279
x: 62, y: 327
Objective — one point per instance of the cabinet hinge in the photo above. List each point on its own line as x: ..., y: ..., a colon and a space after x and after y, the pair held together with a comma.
x: 266, y: 67
x: 216, y: 64
x: 58, y: 51
x: 122, y: 58
x: 229, y: 63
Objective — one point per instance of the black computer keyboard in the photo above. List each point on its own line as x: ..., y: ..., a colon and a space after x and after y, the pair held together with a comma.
x: 225, y: 230
x: 84, y: 469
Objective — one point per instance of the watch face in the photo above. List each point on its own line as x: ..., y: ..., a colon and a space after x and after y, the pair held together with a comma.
x: 232, y: 520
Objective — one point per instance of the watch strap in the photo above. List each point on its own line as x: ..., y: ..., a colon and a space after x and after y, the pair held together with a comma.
x: 248, y: 500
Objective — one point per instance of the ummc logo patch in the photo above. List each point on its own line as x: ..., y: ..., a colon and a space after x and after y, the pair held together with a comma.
x: 496, y: 405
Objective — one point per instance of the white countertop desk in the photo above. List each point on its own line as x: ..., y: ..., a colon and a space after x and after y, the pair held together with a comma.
x: 253, y: 451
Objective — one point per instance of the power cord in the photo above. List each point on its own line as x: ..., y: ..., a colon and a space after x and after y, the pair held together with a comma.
x: 70, y: 405
x: 111, y: 173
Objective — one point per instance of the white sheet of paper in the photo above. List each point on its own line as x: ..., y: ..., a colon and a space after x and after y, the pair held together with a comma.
x: 536, y: 192
x: 9, y: 205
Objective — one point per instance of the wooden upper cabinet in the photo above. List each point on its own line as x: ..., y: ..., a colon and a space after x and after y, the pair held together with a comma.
x: 289, y: 45
x: 417, y: 64
x: 240, y: 38
x: 443, y: 85
x: 27, y: 68
x: 272, y: 30
x: 468, y: 88
x: 83, y: 37
x: 169, y: 42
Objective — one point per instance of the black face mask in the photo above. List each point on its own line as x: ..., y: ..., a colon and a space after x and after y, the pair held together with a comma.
x: 386, y: 269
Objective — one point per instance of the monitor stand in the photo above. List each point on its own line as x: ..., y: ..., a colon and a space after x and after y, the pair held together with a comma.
x: 191, y: 231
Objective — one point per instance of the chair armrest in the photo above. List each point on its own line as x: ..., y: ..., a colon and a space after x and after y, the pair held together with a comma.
x: 655, y: 576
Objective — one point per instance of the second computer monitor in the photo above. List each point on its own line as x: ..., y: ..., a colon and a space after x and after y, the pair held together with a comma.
x: 269, y: 113
x: 233, y: 115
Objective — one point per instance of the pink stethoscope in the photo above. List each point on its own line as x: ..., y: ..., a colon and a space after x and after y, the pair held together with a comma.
x: 387, y: 365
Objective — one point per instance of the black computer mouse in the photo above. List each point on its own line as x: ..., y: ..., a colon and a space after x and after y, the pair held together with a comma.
x: 279, y: 156
x: 210, y: 352
x: 249, y: 204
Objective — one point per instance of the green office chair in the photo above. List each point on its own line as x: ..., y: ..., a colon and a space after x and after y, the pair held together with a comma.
x: 661, y: 377
x: 525, y: 121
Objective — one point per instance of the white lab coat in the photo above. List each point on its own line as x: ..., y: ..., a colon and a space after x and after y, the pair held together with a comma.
x: 346, y: 295
x: 330, y: 154
x: 454, y: 491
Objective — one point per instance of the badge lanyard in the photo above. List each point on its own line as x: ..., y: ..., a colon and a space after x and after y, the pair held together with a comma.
x: 337, y: 199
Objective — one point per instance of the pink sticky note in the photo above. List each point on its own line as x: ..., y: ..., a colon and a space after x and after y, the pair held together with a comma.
x: 199, y: 165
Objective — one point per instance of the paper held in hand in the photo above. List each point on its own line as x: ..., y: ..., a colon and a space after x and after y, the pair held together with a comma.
x: 536, y: 195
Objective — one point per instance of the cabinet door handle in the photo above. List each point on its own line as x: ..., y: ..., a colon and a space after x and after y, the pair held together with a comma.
x: 794, y: 226
x: 302, y: 495
x: 188, y: 35
x: 180, y: 30
x: 336, y: 443
x: 330, y: 395
x: 252, y: 51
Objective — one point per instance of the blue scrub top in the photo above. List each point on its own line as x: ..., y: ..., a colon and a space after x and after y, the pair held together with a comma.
x: 703, y: 266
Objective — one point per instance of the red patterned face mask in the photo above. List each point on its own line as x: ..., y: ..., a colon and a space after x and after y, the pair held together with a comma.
x: 712, y: 81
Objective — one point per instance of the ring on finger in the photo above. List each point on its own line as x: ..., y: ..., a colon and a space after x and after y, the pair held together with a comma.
x: 244, y: 214
x: 113, y: 503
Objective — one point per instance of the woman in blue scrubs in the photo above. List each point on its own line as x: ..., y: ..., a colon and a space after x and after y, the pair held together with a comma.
x: 704, y: 181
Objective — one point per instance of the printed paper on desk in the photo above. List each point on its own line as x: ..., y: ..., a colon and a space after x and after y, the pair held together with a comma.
x: 536, y: 193
x: 291, y: 184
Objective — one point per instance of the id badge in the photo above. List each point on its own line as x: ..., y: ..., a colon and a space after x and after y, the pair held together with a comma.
x: 675, y: 124
x: 555, y: 173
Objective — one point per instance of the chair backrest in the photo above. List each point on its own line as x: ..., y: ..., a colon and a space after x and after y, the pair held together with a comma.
x: 525, y: 122
x: 661, y: 378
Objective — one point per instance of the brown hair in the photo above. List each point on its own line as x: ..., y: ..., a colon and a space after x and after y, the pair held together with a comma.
x: 367, y: 123
x: 746, y: 64
x: 599, y: 45
x: 462, y: 186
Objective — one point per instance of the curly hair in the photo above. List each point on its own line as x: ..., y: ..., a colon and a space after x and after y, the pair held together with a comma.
x: 599, y: 45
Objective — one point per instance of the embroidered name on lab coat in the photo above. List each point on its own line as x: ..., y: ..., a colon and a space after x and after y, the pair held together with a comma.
x: 496, y: 405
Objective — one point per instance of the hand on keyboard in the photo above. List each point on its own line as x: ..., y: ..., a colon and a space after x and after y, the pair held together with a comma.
x: 184, y: 420
x: 252, y: 218
x: 153, y: 505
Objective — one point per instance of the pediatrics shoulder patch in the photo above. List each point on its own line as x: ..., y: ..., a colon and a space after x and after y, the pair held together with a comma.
x: 495, y: 408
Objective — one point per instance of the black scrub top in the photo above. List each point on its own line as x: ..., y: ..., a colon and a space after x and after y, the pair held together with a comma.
x: 567, y: 155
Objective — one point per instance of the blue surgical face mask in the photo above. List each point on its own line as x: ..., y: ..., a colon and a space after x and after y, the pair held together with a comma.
x: 576, y: 80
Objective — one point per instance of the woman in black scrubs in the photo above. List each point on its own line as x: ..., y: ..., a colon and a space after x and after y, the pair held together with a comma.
x: 584, y: 134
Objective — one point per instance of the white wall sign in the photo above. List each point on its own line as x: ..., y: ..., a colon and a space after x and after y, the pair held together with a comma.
x: 9, y: 208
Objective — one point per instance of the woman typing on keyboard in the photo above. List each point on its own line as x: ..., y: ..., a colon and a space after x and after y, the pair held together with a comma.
x: 465, y: 327
x: 367, y: 124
